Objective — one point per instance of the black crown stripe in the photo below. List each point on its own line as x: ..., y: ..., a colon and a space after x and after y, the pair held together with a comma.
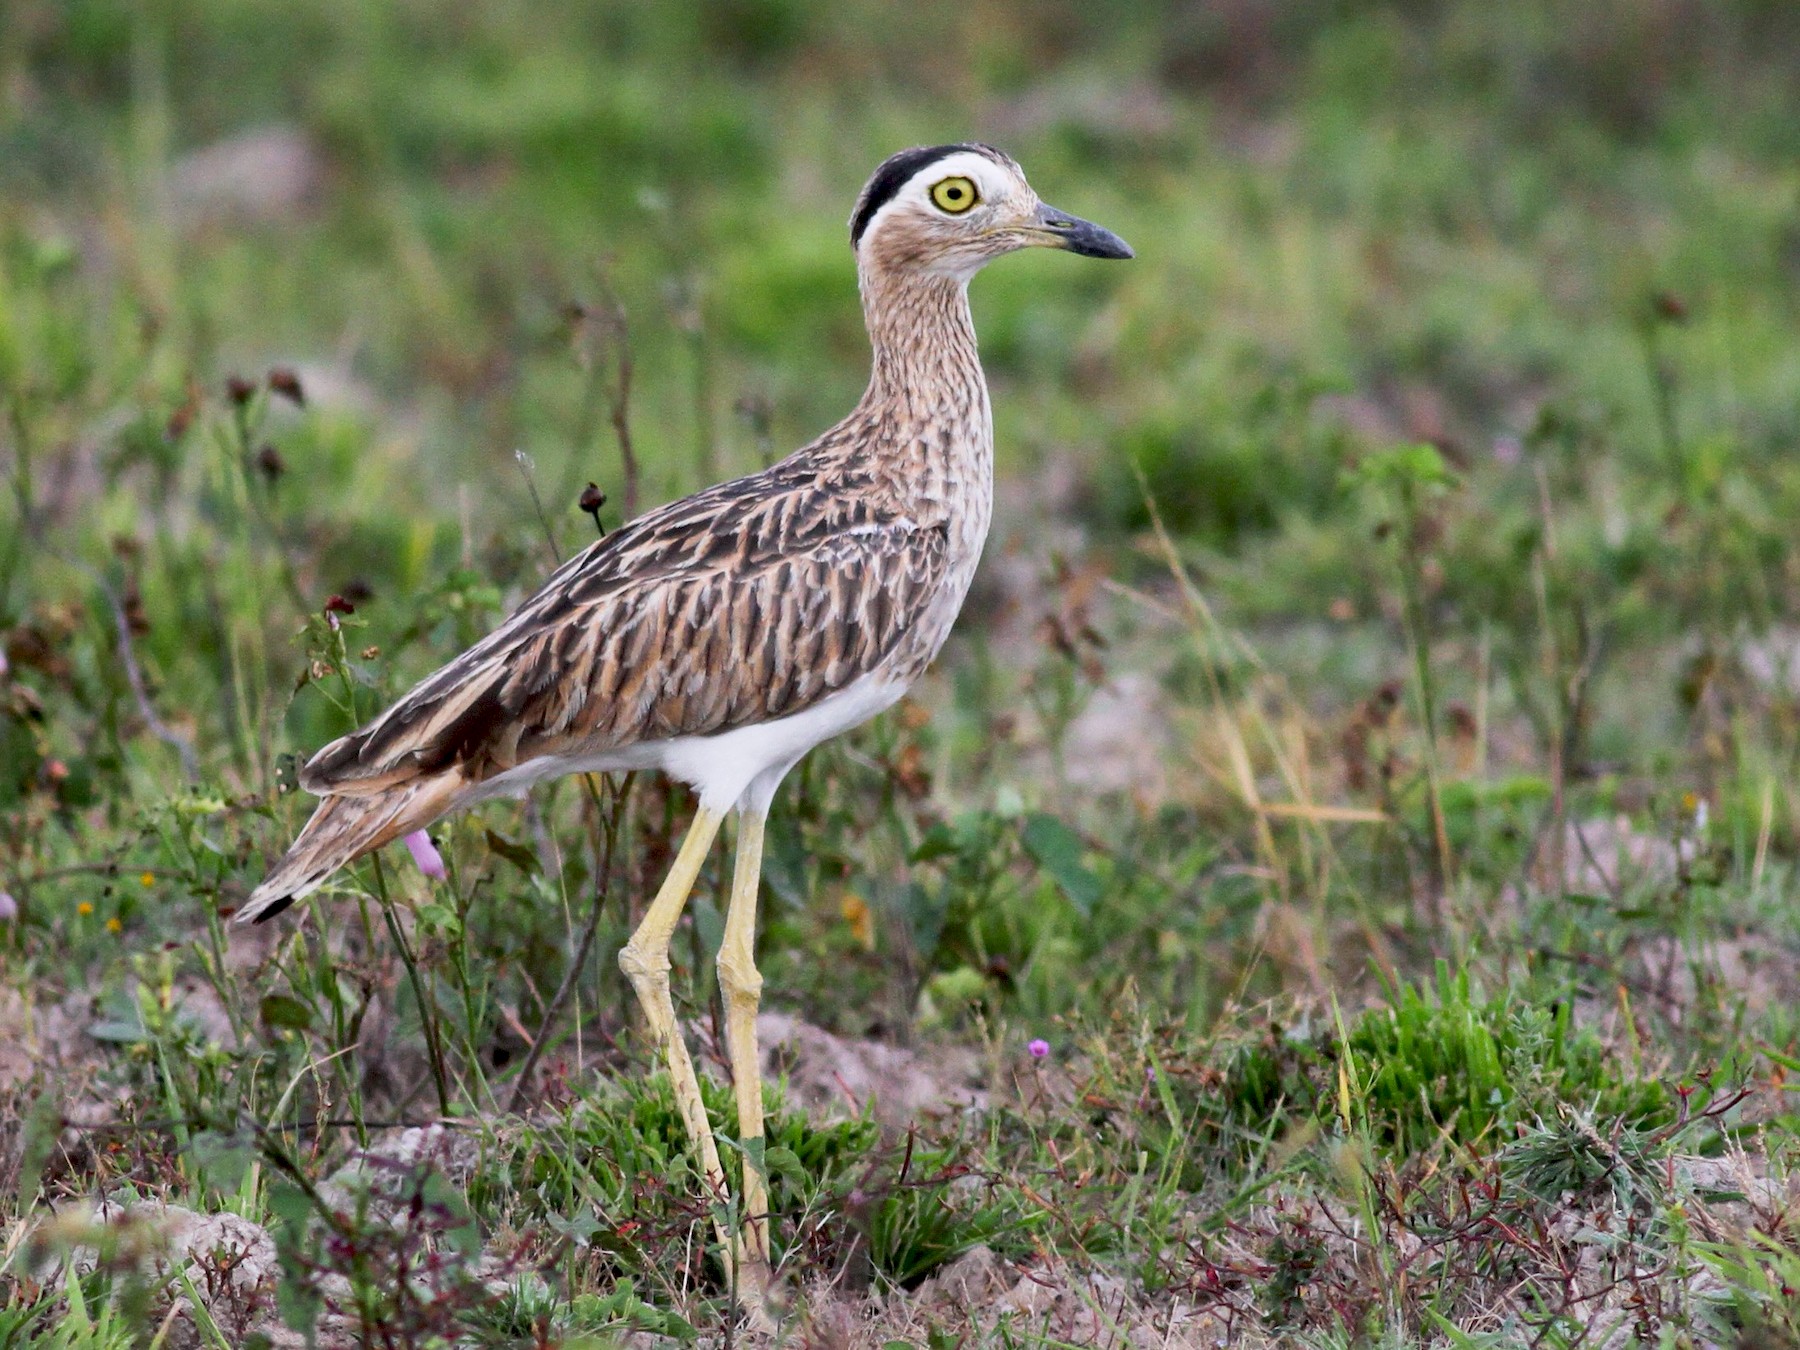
x: 894, y: 173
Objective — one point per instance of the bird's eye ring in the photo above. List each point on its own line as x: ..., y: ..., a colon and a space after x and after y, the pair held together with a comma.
x: 954, y: 195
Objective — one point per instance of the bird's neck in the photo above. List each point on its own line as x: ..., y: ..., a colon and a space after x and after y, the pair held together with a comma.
x: 927, y: 402
x: 926, y: 366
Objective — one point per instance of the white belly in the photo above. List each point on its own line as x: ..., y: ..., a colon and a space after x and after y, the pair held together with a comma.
x: 743, y: 766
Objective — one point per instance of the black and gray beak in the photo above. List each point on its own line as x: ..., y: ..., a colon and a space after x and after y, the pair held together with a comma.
x: 1080, y: 236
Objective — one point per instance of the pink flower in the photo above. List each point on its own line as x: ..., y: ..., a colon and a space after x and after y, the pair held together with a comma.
x: 425, y: 854
x: 1039, y: 1049
x: 9, y: 908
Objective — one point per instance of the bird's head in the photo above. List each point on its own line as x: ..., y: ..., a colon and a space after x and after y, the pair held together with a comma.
x: 949, y: 210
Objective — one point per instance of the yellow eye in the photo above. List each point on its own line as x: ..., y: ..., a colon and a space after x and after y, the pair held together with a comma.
x: 954, y: 195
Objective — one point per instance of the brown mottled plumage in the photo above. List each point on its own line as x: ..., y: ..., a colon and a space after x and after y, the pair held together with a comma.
x: 722, y: 636
x: 741, y: 604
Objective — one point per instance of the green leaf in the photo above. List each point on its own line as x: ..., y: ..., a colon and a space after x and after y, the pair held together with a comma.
x: 299, y: 1304
x: 223, y: 1159
x: 1404, y: 467
x: 580, y: 1230
x: 441, y: 918
x: 285, y: 1011
x: 41, y: 1127
x: 1058, y: 849
x: 785, y: 1163
x: 117, y: 1033
x: 287, y: 772
x: 290, y: 1204
x: 516, y: 854
x: 124, y: 1027
x: 464, y: 1235
x: 939, y: 842
x: 957, y: 988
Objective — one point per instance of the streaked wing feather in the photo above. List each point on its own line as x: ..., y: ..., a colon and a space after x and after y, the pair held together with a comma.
x: 736, y: 606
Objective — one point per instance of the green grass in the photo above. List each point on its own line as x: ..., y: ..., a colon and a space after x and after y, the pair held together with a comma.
x: 1411, y: 520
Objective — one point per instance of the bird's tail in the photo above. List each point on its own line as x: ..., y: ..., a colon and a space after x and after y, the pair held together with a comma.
x: 342, y: 829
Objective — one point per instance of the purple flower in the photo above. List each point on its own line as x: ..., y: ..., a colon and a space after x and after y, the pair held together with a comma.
x: 9, y: 907
x: 1039, y: 1049
x: 425, y: 854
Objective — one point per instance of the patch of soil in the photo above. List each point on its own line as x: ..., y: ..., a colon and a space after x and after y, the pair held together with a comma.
x: 831, y: 1076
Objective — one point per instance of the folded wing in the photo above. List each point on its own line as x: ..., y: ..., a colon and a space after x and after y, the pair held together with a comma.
x: 729, y: 608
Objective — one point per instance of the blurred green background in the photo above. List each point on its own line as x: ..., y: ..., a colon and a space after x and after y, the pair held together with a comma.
x: 1555, y: 242
x: 1356, y: 224
x: 1460, y: 361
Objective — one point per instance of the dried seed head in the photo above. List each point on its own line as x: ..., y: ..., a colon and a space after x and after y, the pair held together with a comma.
x: 338, y: 605
x: 591, y: 500
x: 132, y: 603
x: 239, y: 390
x: 183, y: 417
x: 269, y: 460
x: 283, y: 381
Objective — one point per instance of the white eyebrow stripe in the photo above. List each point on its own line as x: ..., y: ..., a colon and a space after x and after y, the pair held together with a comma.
x: 991, y: 180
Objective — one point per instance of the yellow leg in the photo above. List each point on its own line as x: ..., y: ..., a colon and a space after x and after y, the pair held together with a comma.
x: 741, y: 985
x: 645, y: 961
